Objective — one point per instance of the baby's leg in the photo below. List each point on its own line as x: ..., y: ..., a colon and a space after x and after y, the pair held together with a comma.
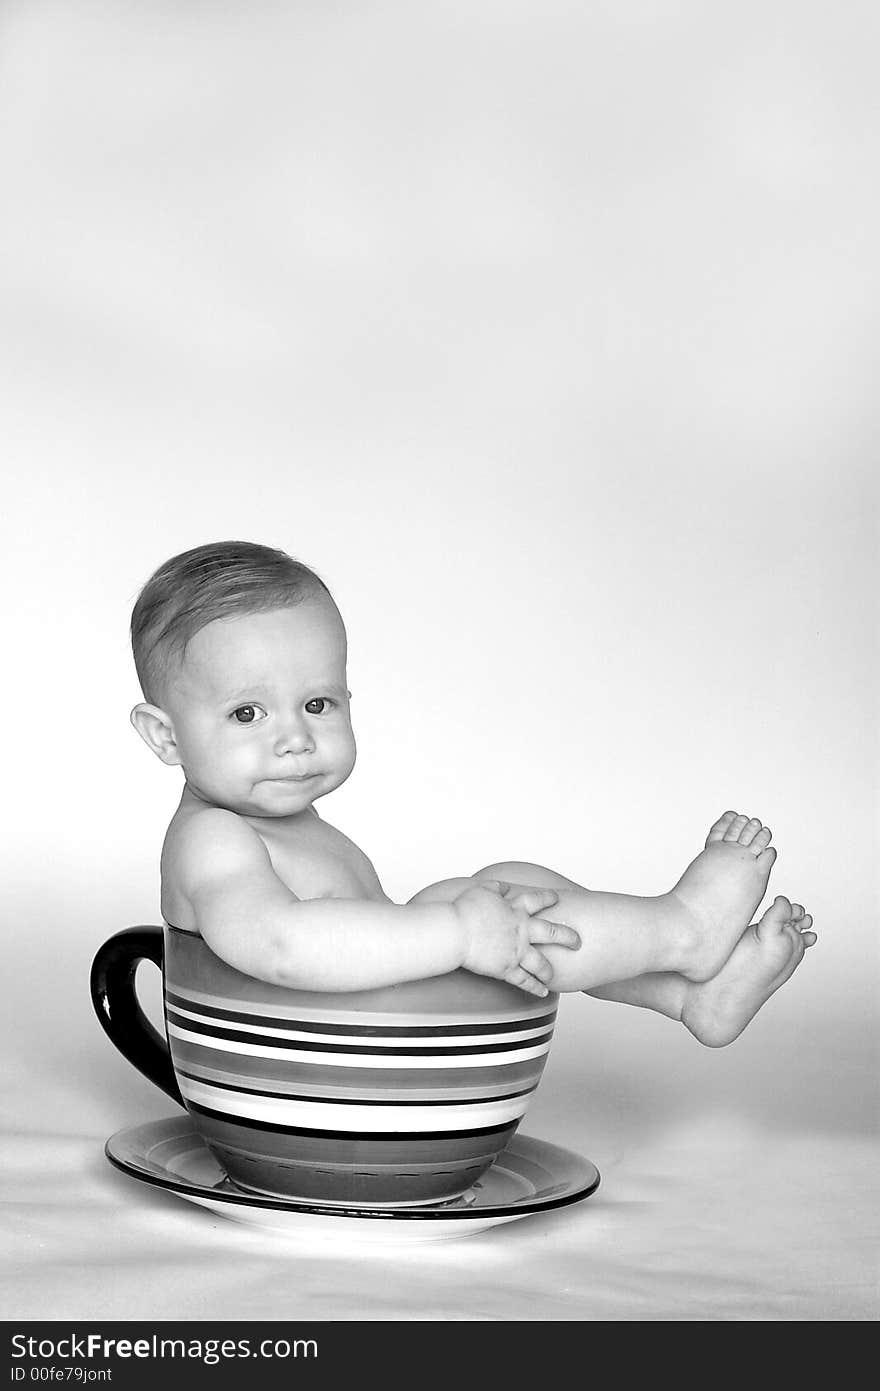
x: 691, y: 930
x: 717, y: 1010
x: 660, y: 991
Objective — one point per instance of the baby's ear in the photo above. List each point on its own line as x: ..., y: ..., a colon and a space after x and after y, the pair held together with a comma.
x: 155, y: 728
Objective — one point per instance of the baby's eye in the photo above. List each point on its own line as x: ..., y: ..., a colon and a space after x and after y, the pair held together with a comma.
x: 247, y: 714
x: 319, y: 700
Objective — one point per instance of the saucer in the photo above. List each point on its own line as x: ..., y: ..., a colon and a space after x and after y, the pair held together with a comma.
x: 530, y: 1176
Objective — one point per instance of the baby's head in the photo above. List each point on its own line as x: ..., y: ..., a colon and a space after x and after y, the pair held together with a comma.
x: 241, y: 654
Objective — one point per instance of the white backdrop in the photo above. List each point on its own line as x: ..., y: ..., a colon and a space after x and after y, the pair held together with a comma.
x: 542, y: 331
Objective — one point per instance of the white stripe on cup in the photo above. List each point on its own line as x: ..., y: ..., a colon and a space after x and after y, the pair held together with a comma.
x: 372, y: 1060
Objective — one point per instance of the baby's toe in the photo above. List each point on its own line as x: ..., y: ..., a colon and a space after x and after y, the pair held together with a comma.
x: 761, y: 839
x: 736, y: 828
x: 749, y: 831
x: 766, y: 859
x: 716, y: 832
x: 775, y: 920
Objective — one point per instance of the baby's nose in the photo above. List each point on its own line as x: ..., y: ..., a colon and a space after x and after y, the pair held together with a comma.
x: 295, y: 738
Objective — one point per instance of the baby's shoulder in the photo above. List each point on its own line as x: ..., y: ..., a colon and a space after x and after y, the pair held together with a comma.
x: 202, y: 842
x: 201, y: 835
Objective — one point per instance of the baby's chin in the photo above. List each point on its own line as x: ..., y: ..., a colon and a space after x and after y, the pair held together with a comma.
x: 283, y: 797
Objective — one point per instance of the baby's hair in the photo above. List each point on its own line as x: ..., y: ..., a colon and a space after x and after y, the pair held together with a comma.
x: 223, y: 579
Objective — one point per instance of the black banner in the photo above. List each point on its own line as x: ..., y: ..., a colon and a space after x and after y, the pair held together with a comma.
x: 127, y: 1356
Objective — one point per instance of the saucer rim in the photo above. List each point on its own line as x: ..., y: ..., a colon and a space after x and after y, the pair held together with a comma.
x: 435, y: 1212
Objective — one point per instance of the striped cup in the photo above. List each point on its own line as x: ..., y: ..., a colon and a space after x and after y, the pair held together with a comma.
x: 385, y: 1097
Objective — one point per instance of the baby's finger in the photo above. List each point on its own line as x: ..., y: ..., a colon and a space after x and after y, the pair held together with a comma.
x: 536, y: 963
x: 535, y: 900
x: 543, y: 931
x: 496, y: 886
x: 517, y: 976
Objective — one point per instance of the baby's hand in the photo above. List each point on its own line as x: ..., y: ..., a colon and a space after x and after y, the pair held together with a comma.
x: 502, y: 929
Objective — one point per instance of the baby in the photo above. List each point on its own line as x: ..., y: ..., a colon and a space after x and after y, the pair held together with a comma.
x: 241, y: 655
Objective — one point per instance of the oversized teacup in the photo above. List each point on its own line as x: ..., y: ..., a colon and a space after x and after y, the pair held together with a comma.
x: 400, y: 1095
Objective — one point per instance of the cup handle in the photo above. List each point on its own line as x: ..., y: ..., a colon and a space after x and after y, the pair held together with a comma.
x: 117, y: 1006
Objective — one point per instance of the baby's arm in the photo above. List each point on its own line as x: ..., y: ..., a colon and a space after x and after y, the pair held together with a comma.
x: 250, y: 919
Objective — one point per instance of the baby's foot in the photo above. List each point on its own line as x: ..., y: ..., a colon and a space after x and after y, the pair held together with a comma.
x: 720, y: 891
x: 768, y: 952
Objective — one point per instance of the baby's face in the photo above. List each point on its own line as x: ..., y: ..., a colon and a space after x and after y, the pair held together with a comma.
x: 260, y: 710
